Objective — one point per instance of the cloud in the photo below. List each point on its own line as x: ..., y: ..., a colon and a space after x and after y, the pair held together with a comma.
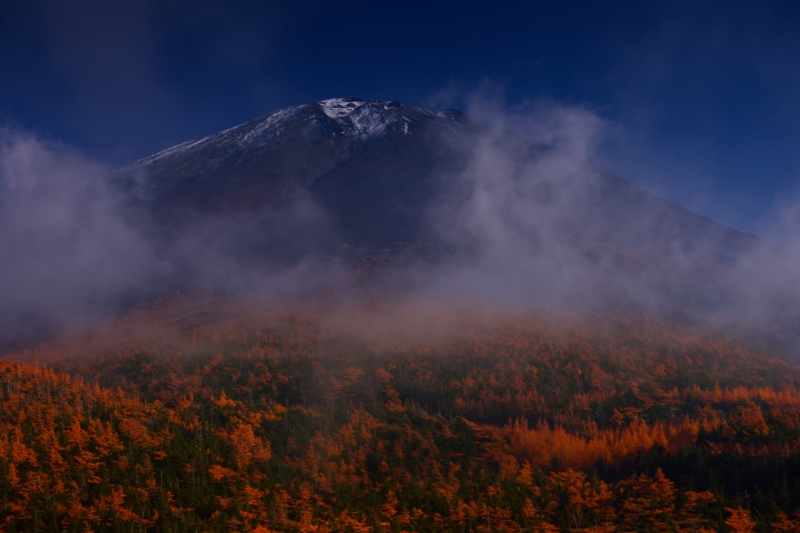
x: 80, y: 247
x: 780, y: 223
x: 539, y: 227
x: 531, y: 222
x: 71, y: 250
x: 514, y: 204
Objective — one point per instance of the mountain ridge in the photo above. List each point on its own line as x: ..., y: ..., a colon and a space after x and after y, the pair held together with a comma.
x: 345, y: 149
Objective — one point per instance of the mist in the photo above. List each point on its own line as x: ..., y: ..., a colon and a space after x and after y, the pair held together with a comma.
x: 535, y: 226
x: 81, y: 249
x: 530, y: 221
x: 72, y: 253
x: 540, y: 226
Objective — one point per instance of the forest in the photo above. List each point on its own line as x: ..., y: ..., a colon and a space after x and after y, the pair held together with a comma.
x: 606, y: 424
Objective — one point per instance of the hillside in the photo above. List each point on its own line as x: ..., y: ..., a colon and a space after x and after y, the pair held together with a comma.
x: 627, y: 424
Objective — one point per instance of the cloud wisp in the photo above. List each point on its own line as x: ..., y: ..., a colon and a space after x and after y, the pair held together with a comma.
x: 79, y: 247
x: 541, y: 227
x: 71, y: 248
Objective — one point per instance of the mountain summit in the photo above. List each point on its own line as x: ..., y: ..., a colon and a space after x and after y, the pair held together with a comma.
x: 340, y: 150
x: 384, y: 172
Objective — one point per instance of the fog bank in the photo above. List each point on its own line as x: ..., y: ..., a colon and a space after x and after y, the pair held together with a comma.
x: 529, y: 223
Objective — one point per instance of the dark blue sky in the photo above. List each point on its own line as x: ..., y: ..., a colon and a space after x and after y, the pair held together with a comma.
x: 704, y: 97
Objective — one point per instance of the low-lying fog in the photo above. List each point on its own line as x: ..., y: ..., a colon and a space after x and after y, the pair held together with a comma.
x: 529, y: 223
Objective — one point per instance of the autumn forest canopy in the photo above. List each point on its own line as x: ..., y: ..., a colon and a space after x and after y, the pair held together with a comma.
x: 287, y: 423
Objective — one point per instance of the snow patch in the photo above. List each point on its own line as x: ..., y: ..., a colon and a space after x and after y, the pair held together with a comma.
x: 337, y: 108
x: 369, y: 122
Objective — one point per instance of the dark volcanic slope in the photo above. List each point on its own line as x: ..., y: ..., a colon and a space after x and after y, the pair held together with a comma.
x: 362, y: 160
x: 377, y: 166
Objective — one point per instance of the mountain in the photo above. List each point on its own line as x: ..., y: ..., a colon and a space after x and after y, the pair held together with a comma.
x: 359, y: 159
x: 377, y: 168
x: 412, y: 201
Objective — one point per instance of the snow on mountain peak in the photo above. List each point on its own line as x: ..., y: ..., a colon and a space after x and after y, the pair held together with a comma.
x: 340, y: 107
x: 359, y: 118
x: 366, y: 119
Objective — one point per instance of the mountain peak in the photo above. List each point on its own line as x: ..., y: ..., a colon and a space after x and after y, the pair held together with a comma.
x: 337, y: 108
x: 376, y: 166
x: 353, y: 118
